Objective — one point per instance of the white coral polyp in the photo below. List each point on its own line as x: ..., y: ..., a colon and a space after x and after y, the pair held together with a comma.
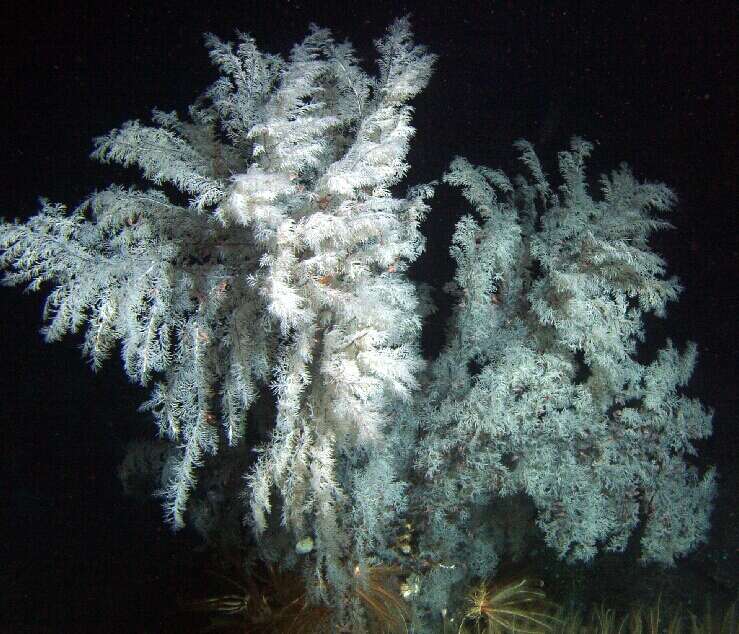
x: 253, y: 195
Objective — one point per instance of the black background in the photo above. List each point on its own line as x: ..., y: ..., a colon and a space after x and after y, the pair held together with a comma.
x: 653, y: 84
